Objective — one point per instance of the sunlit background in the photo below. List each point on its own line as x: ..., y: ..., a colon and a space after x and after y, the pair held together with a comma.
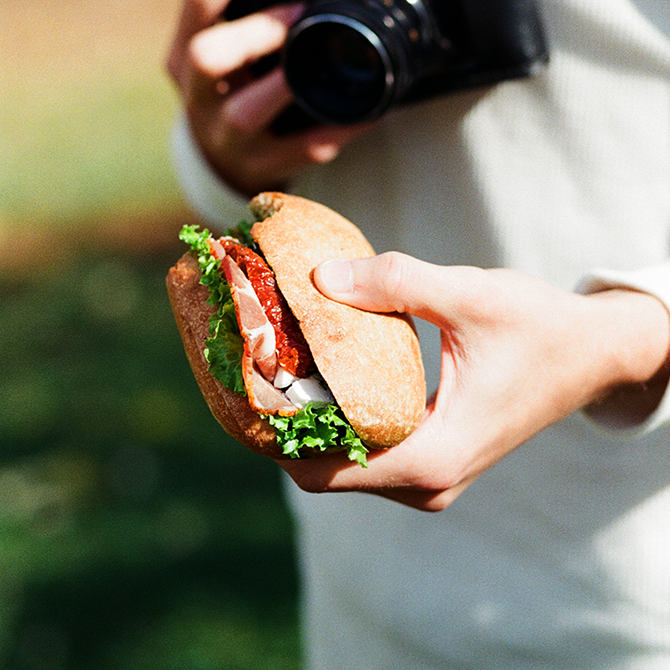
x: 133, y: 533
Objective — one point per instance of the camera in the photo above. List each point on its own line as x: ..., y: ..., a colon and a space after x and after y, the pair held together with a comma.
x: 348, y: 61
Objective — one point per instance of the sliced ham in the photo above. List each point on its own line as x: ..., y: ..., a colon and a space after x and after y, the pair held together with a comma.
x: 263, y: 396
x: 292, y: 350
x: 271, y: 356
x: 258, y: 333
x: 217, y: 249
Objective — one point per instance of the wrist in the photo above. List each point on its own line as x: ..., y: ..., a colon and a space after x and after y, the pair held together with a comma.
x: 634, y: 346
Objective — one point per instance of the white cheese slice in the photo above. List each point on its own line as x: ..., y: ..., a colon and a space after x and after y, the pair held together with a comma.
x: 304, y: 391
x: 284, y: 378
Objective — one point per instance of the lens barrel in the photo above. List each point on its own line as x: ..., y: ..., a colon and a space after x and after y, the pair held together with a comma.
x: 349, y: 61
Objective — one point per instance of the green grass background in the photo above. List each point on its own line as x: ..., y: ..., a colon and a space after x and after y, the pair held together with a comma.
x: 133, y: 533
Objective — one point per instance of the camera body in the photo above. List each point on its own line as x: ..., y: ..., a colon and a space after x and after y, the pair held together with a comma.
x: 350, y: 60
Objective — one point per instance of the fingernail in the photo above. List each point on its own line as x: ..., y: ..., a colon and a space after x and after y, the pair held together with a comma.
x: 334, y: 277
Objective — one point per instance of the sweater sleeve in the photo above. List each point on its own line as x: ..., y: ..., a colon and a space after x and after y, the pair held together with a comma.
x: 218, y: 205
x: 654, y: 280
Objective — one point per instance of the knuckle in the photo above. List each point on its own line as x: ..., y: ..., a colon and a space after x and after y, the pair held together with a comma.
x: 395, y: 275
x: 437, y: 492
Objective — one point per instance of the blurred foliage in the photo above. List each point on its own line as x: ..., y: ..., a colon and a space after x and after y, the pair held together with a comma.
x: 133, y: 533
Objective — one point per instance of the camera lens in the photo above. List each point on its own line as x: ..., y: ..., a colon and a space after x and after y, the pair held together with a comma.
x: 339, y: 69
x: 349, y: 61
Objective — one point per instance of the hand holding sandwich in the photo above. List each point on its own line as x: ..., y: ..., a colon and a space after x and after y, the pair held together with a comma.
x: 230, y: 111
x: 517, y: 356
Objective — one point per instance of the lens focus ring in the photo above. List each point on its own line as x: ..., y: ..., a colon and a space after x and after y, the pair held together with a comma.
x: 351, y: 64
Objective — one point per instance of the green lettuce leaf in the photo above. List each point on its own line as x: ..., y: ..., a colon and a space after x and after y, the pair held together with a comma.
x: 242, y: 233
x: 317, y: 426
x: 224, y: 347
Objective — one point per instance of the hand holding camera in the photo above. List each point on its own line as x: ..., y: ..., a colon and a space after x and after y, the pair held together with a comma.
x: 231, y: 109
x: 243, y: 64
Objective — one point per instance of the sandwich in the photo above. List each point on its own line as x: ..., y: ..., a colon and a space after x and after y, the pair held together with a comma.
x: 286, y: 371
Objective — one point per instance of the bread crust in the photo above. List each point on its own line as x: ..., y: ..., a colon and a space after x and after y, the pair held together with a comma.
x: 188, y: 298
x: 371, y: 362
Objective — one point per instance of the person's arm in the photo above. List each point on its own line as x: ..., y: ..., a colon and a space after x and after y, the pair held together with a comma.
x: 230, y: 112
x: 517, y: 356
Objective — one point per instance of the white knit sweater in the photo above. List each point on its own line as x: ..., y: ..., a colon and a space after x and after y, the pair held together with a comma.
x: 559, y: 556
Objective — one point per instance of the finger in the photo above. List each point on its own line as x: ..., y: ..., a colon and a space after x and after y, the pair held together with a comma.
x: 279, y: 158
x: 336, y: 474
x: 254, y: 107
x: 425, y: 471
x: 407, y: 465
x: 391, y: 282
x: 225, y: 47
x: 426, y: 501
x: 196, y: 15
x: 324, y: 143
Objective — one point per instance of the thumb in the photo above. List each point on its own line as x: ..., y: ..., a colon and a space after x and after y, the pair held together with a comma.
x: 390, y: 282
